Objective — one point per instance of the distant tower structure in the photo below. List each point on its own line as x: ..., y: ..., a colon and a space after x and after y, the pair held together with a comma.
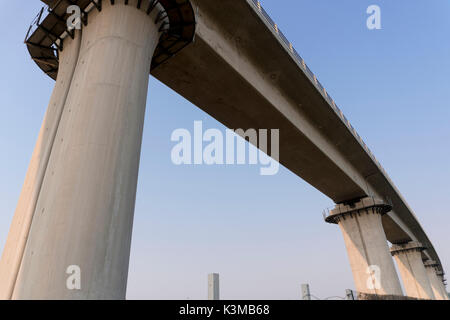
x: 306, y: 294
x: 213, y: 286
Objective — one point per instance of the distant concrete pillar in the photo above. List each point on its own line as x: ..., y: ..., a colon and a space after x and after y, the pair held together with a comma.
x: 368, y: 251
x: 213, y: 287
x: 21, y: 223
x: 443, y: 283
x: 412, y: 270
x: 436, y: 282
x: 306, y: 294
x: 82, y: 223
x: 440, y: 275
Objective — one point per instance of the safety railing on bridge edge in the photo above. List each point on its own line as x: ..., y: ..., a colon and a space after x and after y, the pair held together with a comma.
x: 299, y: 60
x: 36, y: 22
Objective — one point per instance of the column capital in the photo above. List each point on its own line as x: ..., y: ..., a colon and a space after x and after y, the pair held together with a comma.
x: 441, y: 276
x: 433, y: 264
x: 407, y: 247
x: 362, y: 206
x: 430, y: 264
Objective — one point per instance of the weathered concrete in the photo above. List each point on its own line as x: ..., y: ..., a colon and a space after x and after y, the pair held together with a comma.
x: 84, y: 212
x: 435, y: 282
x: 367, y: 246
x: 412, y: 270
x: 20, y: 226
x: 442, y: 285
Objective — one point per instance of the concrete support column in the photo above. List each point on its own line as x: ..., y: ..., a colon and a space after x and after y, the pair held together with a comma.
x: 368, y: 251
x: 412, y: 270
x: 20, y: 226
x: 79, y: 241
x: 442, y: 282
x: 435, y: 282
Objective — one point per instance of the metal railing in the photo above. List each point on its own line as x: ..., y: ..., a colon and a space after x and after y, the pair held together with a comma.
x: 36, y: 22
x: 289, y: 47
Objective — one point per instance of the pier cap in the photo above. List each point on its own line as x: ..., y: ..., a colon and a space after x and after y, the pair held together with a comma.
x: 363, y: 205
x: 45, y: 36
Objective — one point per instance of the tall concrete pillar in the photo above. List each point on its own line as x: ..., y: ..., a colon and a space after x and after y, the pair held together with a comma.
x: 440, y: 275
x: 412, y: 270
x: 436, y: 282
x: 368, y: 251
x: 20, y: 226
x: 78, y: 244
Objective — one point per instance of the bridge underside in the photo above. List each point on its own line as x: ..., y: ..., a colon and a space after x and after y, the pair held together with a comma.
x: 240, y: 70
x: 240, y: 74
x: 243, y: 72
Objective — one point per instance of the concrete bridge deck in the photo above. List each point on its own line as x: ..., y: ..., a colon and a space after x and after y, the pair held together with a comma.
x: 241, y: 70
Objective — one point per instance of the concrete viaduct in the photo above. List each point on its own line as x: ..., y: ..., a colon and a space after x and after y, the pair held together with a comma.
x: 228, y: 58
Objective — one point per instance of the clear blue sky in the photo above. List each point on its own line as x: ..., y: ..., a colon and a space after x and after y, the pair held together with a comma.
x: 265, y: 234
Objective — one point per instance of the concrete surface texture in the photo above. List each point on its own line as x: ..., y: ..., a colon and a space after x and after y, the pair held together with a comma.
x: 84, y: 211
x: 435, y: 282
x: 442, y: 282
x: 412, y: 270
x: 20, y: 226
x: 442, y: 285
x: 367, y: 248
